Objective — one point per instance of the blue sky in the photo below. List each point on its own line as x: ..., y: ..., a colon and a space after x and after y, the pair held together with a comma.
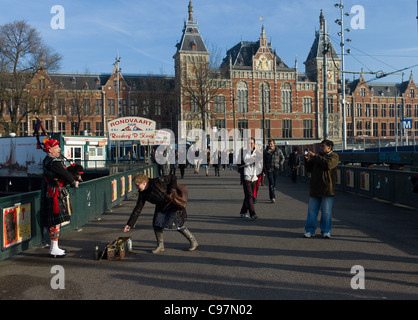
x: 145, y: 32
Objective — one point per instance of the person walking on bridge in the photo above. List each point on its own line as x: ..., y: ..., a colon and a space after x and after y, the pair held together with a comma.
x: 251, y: 166
x: 273, y: 159
x: 323, y: 169
x: 166, y: 215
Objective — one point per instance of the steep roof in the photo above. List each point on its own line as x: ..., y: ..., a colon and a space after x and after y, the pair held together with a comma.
x: 191, y: 39
x: 242, y: 54
x: 381, y: 89
x: 317, y: 48
x: 137, y: 82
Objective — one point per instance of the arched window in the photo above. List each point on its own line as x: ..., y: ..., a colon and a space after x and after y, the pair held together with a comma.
x: 264, y: 92
x: 242, y: 97
x: 286, y: 92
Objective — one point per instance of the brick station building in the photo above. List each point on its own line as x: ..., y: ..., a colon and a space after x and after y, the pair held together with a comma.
x: 252, y: 89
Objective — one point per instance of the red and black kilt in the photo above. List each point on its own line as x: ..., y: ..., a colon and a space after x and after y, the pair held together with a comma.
x: 50, y: 215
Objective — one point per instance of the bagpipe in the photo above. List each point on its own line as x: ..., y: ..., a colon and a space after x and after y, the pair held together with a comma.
x: 76, y: 170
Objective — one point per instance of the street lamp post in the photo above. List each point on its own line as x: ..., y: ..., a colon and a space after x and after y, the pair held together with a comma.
x: 325, y: 84
x: 117, y: 70
x: 343, y: 102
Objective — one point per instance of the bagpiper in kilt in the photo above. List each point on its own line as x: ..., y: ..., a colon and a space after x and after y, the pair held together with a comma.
x: 56, y: 204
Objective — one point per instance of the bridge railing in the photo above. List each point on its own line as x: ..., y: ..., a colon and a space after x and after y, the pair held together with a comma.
x: 393, y: 186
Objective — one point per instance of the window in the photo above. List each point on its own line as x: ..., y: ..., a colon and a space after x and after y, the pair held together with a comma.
x: 61, y: 107
x: 415, y: 110
x: 383, y: 129
x: 375, y: 129
x: 86, y: 106
x: 368, y: 128
x: 392, y: 129
x: 359, y: 110
x: 264, y: 97
x: 266, y: 127
x: 242, y: 124
x: 220, y: 123
x: 286, y: 93
x: 392, y: 110
x: 242, y: 97
x: 330, y: 103
x: 145, y: 107
x: 287, y: 128
x: 219, y: 104
x: 61, y: 127
x: 48, y: 107
x: 74, y: 128
x: 134, y: 107
x: 307, y: 105
x: 359, y: 127
x: 157, y: 107
x: 48, y: 126
x: 99, y: 129
x: 367, y: 110
x: 408, y: 110
x: 111, y: 107
x: 375, y: 110
x: 307, y: 128
x: 350, y: 132
x: 383, y: 110
x: 349, y: 110
x: 99, y: 107
x: 86, y: 126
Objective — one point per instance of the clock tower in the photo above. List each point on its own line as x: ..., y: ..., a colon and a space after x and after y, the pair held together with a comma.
x: 315, y: 59
x: 314, y: 70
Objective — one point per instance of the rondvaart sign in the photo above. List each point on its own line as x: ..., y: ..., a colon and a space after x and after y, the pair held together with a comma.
x: 132, y: 128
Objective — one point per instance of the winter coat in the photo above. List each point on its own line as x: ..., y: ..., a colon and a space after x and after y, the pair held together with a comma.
x: 251, y: 164
x: 164, y: 216
x: 323, y: 169
x: 273, y: 159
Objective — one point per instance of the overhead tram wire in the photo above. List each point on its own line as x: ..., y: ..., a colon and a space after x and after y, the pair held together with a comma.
x: 366, y: 54
x: 380, y: 73
x: 384, y: 74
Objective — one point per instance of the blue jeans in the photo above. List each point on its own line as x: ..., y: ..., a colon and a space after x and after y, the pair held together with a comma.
x: 325, y: 204
x: 273, y: 177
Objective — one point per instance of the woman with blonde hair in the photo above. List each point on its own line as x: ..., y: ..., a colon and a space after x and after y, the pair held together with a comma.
x: 166, y: 215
